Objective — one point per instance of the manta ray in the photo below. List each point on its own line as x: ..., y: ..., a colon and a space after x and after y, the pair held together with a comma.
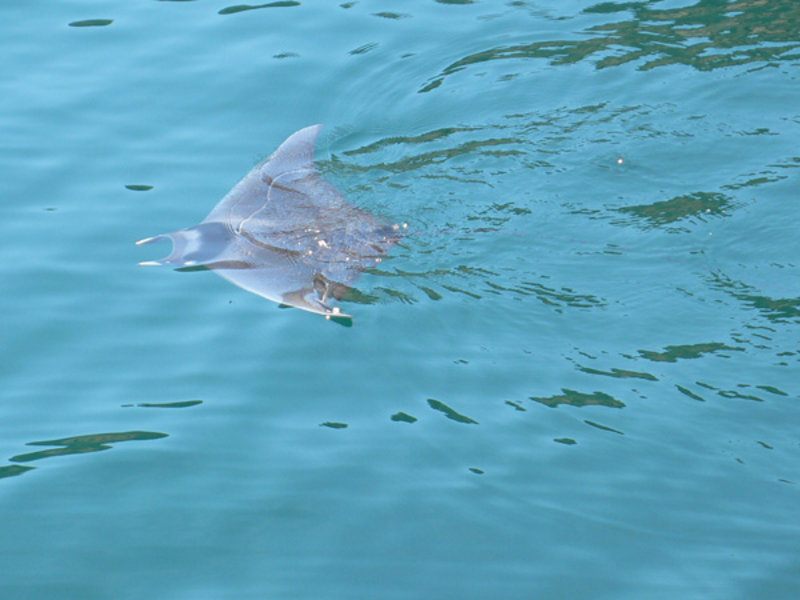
x: 285, y: 233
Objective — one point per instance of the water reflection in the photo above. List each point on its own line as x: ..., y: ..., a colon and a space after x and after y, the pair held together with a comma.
x: 411, y: 158
x: 180, y: 404
x: 618, y: 373
x: 92, y: 23
x: 450, y: 413
x: 429, y: 261
x: 744, y: 391
x: 14, y: 470
x: 565, y: 441
x: 673, y: 353
x: 576, y: 398
x: 245, y: 7
x: 391, y: 15
x: 482, y: 192
x: 603, y: 427
x: 778, y: 310
x: 708, y: 35
x: 81, y: 444
x: 404, y: 417
x: 699, y: 206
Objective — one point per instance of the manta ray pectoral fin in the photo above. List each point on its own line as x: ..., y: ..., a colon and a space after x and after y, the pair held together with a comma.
x: 295, y: 155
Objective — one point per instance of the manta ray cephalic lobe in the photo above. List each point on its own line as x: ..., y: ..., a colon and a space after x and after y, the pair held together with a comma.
x: 285, y: 233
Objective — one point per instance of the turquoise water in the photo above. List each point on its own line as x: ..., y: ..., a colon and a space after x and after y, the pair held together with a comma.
x: 577, y: 376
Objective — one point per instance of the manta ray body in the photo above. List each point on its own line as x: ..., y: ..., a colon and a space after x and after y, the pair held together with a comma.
x: 285, y: 233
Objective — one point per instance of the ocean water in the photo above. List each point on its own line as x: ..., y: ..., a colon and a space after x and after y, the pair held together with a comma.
x: 575, y: 377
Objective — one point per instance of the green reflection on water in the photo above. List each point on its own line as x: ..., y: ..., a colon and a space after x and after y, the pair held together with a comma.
x: 576, y: 398
x: 14, y: 470
x: 698, y: 205
x: 619, y: 373
x: 84, y: 443
x: 181, y: 404
x: 603, y: 427
x: 708, y: 35
x: 450, y: 413
x: 92, y: 23
x: 244, y: 7
x: 775, y: 309
x: 673, y: 353
x: 689, y: 393
x: 391, y: 15
x: 404, y: 418
x: 565, y: 441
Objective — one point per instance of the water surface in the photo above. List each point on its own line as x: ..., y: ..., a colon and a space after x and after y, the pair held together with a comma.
x: 575, y: 377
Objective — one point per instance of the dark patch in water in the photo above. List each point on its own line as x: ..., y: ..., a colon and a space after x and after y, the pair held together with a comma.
x: 364, y: 49
x: 237, y: 8
x: 673, y: 353
x: 391, y: 15
x: 404, y: 418
x: 575, y: 398
x: 566, y: 441
x: 14, y: 470
x: 183, y: 404
x: 619, y: 373
x: 603, y: 427
x: 449, y: 412
x: 705, y: 36
x: 778, y: 310
x: 772, y: 390
x: 92, y: 23
x: 82, y: 444
x: 694, y: 207
x: 688, y: 392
